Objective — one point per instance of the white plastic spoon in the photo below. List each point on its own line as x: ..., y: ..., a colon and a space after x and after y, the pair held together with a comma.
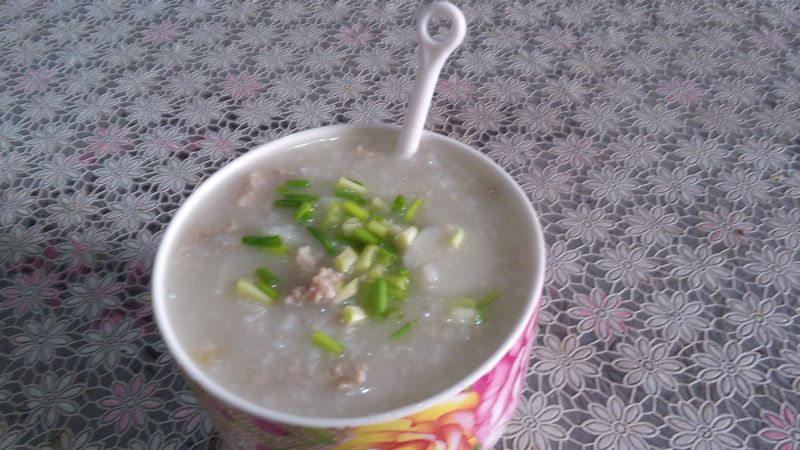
x: 432, y: 54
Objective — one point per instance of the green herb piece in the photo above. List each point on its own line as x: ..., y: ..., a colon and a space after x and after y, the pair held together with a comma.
x: 305, y: 213
x: 353, y: 314
x: 286, y: 203
x: 464, y: 303
x: 350, y: 195
x: 329, y: 245
x: 378, y: 300
x: 298, y: 184
x: 457, y: 238
x: 327, y: 343
x: 277, y: 251
x: 412, y: 210
x: 345, y: 260
x: 396, y: 294
x: 250, y: 291
x: 365, y: 236
x: 350, y: 225
x: 489, y: 299
x: 402, y: 331
x: 377, y: 228
x: 351, y: 185
x: 266, y: 277
x: 333, y: 216
x: 366, y: 258
x: 377, y: 271
x: 267, y: 289
x: 464, y: 314
x: 404, y: 239
x: 348, y: 290
x: 379, y: 205
x: 352, y: 208
x: 397, y: 281
x: 386, y: 256
x: 399, y: 204
x: 262, y: 241
x: 301, y: 197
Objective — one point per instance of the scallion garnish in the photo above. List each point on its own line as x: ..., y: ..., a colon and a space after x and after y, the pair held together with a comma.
x: 377, y: 228
x: 397, y: 281
x: 366, y: 257
x: 378, y: 298
x: 267, y: 289
x: 402, y: 331
x: 286, y: 203
x: 352, y: 314
x: 488, y: 300
x: 267, y: 277
x: 328, y: 244
x: 327, y: 343
x: 250, y: 291
x: 305, y: 213
x: 365, y: 236
x: 412, y: 210
x: 263, y: 241
x: 351, y: 184
x: 349, y: 195
x: 301, y: 197
x: 352, y: 208
x: 399, y: 204
x: 345, y: 260
x: 298, y: 184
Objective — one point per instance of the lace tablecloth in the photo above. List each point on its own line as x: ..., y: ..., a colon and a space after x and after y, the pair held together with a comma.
x: 659, y: 141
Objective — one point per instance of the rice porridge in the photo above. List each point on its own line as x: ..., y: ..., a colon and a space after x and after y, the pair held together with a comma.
x: 336, y: 280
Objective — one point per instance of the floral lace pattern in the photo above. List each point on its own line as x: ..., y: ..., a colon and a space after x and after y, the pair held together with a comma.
x: 659, y: 141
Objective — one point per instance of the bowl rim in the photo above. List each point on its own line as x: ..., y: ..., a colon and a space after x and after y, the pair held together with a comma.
x: 195, y: 374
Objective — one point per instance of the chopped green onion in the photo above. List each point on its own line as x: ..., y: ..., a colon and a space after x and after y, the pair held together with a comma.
x: 328, y: 244
x: 395, y: 294
x: 397, y: 281
x: 352, y: 314
x: 349, y: 195
x: 265, y: 288
x: 266, y: 277
x: 404, y: 239
x: 344, y: 260
x: 366, y: 257
x: 352, y: 208
x: 403, y: 272
x: 464, y: 303
x: 301, y: 197
x: 489, y: 299
x: 333, y: 216
x: 398, y: 204
x: 298, y: 184
x: 464, y: 314
x: 327, y: 343
x: 349, y: 225
x: 377, y: 270
x: 365, y: 236
x: 412, y: 210
x: 402, y: 331
x: 278, y: 251
x: 262, y: 241
x: 305, y: 213
x: 378, y: 299
x: 285, y: 203
x: 379, y: 205
x: 250, y: 291
x: 457, y: 238
x: 348, y: 290
x: 351, y: 184
x: 377, y: 228
x: 386, y: 257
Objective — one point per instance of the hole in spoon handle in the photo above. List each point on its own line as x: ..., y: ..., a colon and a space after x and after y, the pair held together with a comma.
x: 432, y: 54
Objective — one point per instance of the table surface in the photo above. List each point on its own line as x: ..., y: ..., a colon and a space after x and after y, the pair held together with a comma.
x: 659, y: 142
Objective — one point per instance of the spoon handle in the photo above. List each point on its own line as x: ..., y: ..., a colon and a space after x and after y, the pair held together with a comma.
x: 432, y: 54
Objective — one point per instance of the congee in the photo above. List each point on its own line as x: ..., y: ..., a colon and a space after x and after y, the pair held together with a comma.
x: 336, y: 280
